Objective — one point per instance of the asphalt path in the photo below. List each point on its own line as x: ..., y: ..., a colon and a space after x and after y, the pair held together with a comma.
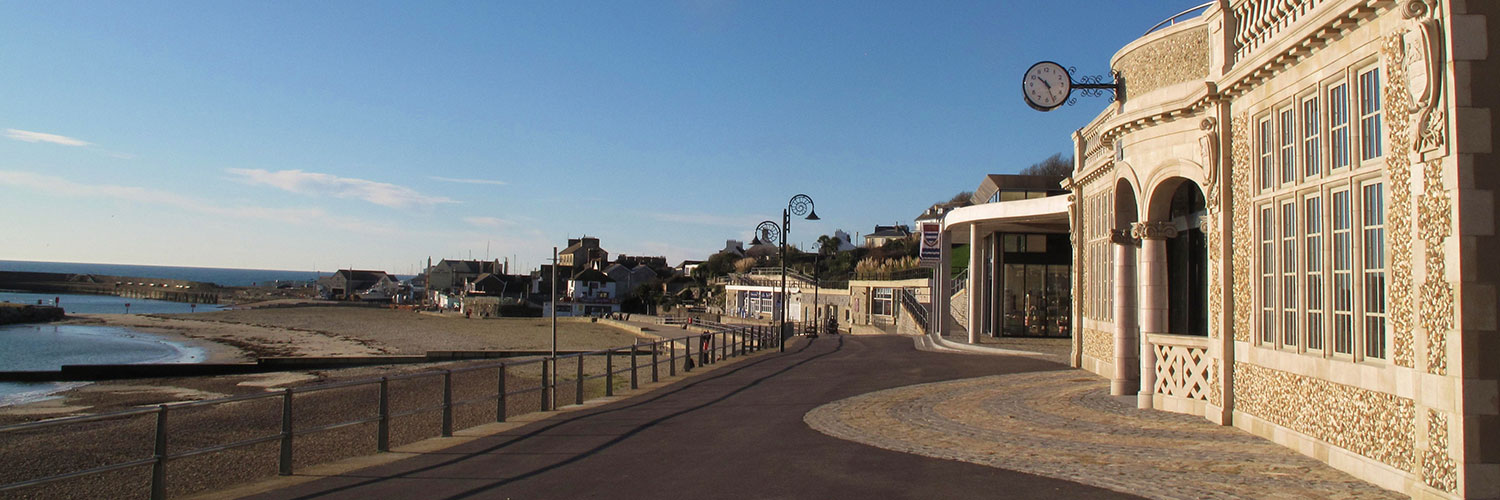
x: 734, y: 432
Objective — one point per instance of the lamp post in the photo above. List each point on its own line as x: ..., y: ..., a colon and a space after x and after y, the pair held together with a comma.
x: 800, y: 205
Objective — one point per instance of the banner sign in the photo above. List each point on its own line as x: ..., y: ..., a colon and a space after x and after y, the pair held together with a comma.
x: 932, y: 235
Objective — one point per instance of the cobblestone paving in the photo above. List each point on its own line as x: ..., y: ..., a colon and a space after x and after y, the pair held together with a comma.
x: 1065, y: 425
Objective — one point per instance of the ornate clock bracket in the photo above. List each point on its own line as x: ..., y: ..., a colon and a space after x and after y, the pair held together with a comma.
x: 1094, y: 86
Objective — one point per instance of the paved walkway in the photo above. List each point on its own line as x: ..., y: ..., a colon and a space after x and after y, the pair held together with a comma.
x: 739, y: 432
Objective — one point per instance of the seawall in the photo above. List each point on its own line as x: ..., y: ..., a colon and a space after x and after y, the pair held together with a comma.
x: 25, y: 313
x: 124, y: 286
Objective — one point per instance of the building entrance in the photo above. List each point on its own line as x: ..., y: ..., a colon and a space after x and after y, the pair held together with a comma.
x: 1035, y: 291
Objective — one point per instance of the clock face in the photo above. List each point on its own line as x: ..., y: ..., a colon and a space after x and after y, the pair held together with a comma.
x: 1046, y: 86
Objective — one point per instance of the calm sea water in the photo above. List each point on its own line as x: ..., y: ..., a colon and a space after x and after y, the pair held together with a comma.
x: 105, y: 304
x: 220, y: 276
x: 49, y: 346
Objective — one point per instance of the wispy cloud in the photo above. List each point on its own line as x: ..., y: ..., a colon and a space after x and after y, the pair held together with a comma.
x: 35, y: 137
x: 470, y: 181
x: 59, y: 186
x: 492, y: 222
x: 316, y: 184
x: 700, y: 219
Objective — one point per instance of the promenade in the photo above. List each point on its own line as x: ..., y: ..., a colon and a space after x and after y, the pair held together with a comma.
x: 764, y: 428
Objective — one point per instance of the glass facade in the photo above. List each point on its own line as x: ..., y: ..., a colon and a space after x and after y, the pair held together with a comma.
x: 1034, y: 294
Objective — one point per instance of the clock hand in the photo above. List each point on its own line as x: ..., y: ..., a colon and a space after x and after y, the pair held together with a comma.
x: 1044, y: 82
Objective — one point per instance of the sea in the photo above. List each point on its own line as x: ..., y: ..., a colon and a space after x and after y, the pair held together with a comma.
x: 48, y: 346
x: 216, y: 275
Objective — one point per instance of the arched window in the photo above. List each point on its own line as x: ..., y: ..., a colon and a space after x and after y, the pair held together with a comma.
x: 1187, y: 264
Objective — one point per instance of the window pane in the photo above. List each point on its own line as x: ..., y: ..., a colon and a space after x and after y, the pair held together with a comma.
x: 1313, y: 222
x: 1373, y: 264
x: 1288, y: 146
x: 1268, y: 275
x: 1311, y: 155
x: 1343, y: 278
x: 1369, y: 115
x: 1338, y: 126
x: 1289, y: 274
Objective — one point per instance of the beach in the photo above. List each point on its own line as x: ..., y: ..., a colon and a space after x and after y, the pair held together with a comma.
x: 306, y: 330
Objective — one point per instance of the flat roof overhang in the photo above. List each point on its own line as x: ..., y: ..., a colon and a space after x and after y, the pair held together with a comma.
x: 1040, y: 215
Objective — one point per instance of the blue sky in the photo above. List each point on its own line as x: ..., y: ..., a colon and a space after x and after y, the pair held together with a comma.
x: 320, y: 135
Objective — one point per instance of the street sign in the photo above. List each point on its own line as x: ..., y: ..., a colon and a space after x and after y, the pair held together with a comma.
x: 932, y: 236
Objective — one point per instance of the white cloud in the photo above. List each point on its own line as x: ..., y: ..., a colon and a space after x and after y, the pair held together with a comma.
x: 300, y: 216
x: 494, y: 222
x: 316, y: 184
x: 35, y: 137
x: 732, y: 221
x: 469, y: 181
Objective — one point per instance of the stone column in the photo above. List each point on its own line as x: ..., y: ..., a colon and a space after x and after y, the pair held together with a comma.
x: 976, y: 275
x: 1152, y: 277
x: 940, y: 294
x: 1127, y: 354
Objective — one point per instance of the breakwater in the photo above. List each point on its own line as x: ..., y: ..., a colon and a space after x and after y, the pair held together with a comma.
x: 25, y: 313
x: 195, y: 292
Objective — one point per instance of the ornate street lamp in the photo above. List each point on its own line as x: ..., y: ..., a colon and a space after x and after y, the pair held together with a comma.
x: 800, y: 205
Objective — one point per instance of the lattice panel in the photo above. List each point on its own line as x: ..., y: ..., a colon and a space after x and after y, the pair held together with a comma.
x: 1182, y: 371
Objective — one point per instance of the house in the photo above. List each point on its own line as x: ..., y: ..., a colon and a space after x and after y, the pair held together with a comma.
x: 686, y: 267
x: 1011, y: 187
x: 353, y: 284
x: 627, y: 279
x: 454, y: 276
x: 845, y: 243
x: 583, y: 253
x: 887, y: 234
x: 735, y: 247
x: 589, y: 292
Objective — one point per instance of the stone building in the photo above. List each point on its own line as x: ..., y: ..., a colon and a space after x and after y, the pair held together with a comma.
x: 1279, y: 223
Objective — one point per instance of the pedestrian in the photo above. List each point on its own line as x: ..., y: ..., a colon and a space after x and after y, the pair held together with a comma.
x: 705, y: 347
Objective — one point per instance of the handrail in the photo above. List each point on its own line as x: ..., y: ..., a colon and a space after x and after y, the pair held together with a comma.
x: 917, y: 311
x: 1173, y: 20
x: 717, y: 342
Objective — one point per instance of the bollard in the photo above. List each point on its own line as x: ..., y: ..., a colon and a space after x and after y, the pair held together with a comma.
x: 159, y: 468
x: 286, y: 432
x: 500, y: 398
x: 543, y: 385
x: 383, y: 429
x: 609, y: 373
x: 579, y: 398
x: 447, y: 403
x: 634, y: 380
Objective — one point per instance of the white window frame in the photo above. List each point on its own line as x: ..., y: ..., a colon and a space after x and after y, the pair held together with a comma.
x: 1339, y: 129
x: 1286, y: 144
x: 1315, y: 324
x: 1341, y: 324
x: 1266, y: 252
x: 1374, y: 280
x: 1371, y: 128
x: 1311, y: 138
x: 1266, y: 169
x: 1286, y: 222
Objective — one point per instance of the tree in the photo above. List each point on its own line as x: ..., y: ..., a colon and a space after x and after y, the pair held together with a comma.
x: 828, y: 244
x: 963, y: 198
x: 1053, y: 165
x: 744, y: 265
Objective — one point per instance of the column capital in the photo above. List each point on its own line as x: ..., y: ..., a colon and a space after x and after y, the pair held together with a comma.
x: 1156, y: 230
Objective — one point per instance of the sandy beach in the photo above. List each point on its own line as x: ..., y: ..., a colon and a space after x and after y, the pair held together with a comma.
x: 245, y: 334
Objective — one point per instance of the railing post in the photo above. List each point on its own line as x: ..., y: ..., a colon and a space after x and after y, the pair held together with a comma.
x: 383, y: 429
x: 655, y: 348
x: 634, y: 379
x: 500, y: 396
x: 672, y: 358
x: 286, y: 432
x: 609, y: 373
x: 544, y: 384
x: 579, y: 398
x: 159, y: 469
x: 447, y: 403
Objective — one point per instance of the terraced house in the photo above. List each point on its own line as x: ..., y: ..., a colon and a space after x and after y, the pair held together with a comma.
x: 1284, y: 223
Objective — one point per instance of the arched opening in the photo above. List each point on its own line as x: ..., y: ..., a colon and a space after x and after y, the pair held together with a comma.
x: 1187, y: 263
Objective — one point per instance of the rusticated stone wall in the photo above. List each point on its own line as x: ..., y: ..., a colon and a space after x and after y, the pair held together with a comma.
x: 1177, y: 58
x: 1377, y: 425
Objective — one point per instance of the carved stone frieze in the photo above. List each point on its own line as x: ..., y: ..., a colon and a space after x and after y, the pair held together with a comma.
x: 1099, y: 344
x: 1421, y: 46
x: 1239, y: 189
x: 1155, y: 230
x: 1438, y: 469
x: 1434, y: 226
x: 1398, y: 215
x: 1377, y: 425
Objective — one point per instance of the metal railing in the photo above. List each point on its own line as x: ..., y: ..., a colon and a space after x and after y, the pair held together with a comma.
x: 1173, y: 20
x: 904, y: 274
x: 959, y: 282
x: 716, y: 343
x: 917, y: 311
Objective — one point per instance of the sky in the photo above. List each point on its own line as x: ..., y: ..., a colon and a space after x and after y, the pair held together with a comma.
x: 336, y: 134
